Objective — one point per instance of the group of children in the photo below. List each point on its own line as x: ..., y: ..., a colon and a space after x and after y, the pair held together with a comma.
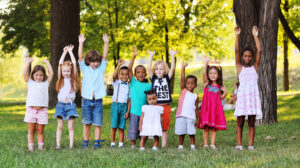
x: 146, y: 105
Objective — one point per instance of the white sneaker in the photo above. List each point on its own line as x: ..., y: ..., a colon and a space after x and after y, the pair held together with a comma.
x: 31, y: 147
x: 154, y: 148
x: 250, y: 147
x: 238, y: 147
x: 132, y: 146
x: 205, y: 146
x: 213, y: 147
x: 142, y: 148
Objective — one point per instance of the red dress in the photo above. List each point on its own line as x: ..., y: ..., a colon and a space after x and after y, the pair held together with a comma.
x: 212, y: 113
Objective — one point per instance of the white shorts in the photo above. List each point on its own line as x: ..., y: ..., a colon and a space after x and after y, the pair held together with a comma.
x: 184, y: 126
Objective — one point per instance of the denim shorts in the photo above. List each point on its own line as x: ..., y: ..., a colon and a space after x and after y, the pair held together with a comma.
x: 65, y: 111
x: 117, y: 113
x: 92, y: 112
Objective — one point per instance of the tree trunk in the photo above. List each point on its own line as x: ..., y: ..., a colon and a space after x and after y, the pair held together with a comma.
x: 64, y: 30
x: 264, y: 14
x: 111, y: 33
x: 286, y: 52
x: 117, y: 28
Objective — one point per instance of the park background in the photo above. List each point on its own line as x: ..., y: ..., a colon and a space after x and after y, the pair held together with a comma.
x: 195, y: 28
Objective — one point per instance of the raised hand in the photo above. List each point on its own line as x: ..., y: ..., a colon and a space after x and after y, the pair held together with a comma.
x: 184, y: 64
x: 206, y: 60
x: 28, y: 59
x: 66, y: 49
x: 46, y: 61
x: 255, y: 31
x: 81, y: 38
x: 121, y: 62
x: 134, y: 51
x: 173, y: 52
x: 237, y: 30
x: 151, y: 53
x: 105, y: 38
x: 70, y: 48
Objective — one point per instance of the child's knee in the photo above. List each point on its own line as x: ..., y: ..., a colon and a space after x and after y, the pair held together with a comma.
x: 251, y: 123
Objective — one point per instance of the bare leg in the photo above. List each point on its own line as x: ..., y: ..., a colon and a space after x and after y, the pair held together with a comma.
x: 121, y: 135
x: 71, y: 131
x: 192, y: 139
x: 205, y: 135
x: 132, y: 142
x: 97, y: 132
x: 112, y: 134
x: 31, y: 132
x: 156, y: 141
x: 251, y: 125
x: 87, y: 131
x: 143, y: 141
x: 181, y: 139
x: 164, y: 139
x: 60, y: 127
x: 213, y: 136
x: 40, y: 133
x: 239, y: 129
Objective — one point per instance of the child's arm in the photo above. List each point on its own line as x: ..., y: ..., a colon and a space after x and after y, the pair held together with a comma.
x: 105, y: 50
x: 223, y: 88
x: 162, y: 119
x: 197, y: 112
x: 141, y: 122
x: 238, y: 63
x: 28, y: 61
x: 151, y: 54
x: 134, y: 54
x: 50, y: 70
x: 81, y: 39
x: 182, y: 82
x: 115, y: 74
x: 205, y: 77
x: 128, y: 108
x: 61, y: 60
x: 258, y: 47
x: 172, y: 69
x: 73, y: 60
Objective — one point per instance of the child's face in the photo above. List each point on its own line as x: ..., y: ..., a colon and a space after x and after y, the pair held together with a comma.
x: 247, y: 57
x: 94, y: 65
x: 213, y: 75
x: 66, y: 71
x: 124, y: 75
x: 190, y: 84
x: 38, y: 76
x: 152, y: 99
x: 140, y: 74
x: 160, y: 70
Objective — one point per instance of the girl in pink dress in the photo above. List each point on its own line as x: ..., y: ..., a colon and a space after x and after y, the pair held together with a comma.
x: 212, y: 117
x: 248, y: 105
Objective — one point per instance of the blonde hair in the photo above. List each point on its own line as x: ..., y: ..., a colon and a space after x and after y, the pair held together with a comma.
x: 75, y: 79
x: 164, y: 64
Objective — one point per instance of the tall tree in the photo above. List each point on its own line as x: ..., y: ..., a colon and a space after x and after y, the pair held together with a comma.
x: 286, y: 51
x: 264, y: 14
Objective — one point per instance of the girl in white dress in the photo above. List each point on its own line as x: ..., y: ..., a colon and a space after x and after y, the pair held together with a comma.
x: 151, y: 120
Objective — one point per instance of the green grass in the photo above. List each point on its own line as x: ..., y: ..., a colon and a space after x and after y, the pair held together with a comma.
x: 280, y: 152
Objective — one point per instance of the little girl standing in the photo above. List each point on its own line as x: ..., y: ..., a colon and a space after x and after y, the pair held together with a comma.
x: 66, y: 86
x: 212, y: 117
x: 248, y: 105
x: 160, y: 76
x: 37, y: 101
x: 151, y: 120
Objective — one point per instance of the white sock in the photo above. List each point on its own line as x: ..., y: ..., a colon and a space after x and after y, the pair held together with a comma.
x: 180, y: 147
x: 112, y: 144
x: 193, y: 146
x: 120, y: 144
x: 41, y: 145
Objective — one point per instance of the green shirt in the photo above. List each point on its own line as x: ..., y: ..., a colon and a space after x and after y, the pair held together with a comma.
x: 137, y: 95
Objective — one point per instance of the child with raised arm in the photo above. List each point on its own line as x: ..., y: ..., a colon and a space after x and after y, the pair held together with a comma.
x: 187, y: 115
x: 138, y: 84
x: 93, y: 89
x: 66, y: 86
x: 212, y: 117
x: 160, y: 76
x: 121, y: 103
x: 151, y: 120
x: 37, y: 100
x: 248, y: 105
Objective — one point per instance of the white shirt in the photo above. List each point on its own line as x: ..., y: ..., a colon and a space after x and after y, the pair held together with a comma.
x: 121, y: 91
x: 186, y: 106
x: 37, y: 93
x: 65, y: 92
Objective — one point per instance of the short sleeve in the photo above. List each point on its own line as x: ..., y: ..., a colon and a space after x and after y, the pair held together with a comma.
x: 132, y: 81
x: 82, y: 65
x: 161, y: 110
x: 29, y: 81
x: 115, y: 83
x: 144, y: 108
x: 103, y: 66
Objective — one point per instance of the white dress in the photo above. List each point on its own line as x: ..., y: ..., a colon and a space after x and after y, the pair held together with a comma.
x: 151, y: 121
x: 248, y: 101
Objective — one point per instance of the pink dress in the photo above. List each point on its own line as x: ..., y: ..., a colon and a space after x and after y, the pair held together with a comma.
x: 212, y: 113
x: 248, y: 101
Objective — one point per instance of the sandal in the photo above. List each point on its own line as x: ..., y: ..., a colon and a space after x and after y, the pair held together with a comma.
x: 85, y: 144
x: 97, y: 144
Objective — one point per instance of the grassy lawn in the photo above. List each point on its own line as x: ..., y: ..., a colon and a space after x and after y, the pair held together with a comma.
x: 280, y: 152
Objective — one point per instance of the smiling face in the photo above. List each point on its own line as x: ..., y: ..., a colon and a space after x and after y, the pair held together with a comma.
x: 94, y: 64
x: 213, y: 75
x: 140, y: 73
x: 152, y: 99
x: 160, y: 70
x: 247, y: 57
x: 190, y: 84
x: 38, y: 76
x: 66, y: 71
x: 123, y: 75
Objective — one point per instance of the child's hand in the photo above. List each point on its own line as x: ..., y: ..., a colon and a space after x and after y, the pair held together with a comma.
x: 134, y: 51
x: 173, y: 52
x: 66, y: 49
x: 70, y: 48
x: 81, y: 38
x: 126, y: 115
x: 121, y: 62
x: 28, y: 60
x: 223, y: 88
x: 46, y: 61
x: 151, y: 53
x: 197, y: 123
x: 255, y: 31
x: 105, y: 38
x: 140, y: 128
x: 237, y: 30
x: 206, y: 60
x: 184, y: 64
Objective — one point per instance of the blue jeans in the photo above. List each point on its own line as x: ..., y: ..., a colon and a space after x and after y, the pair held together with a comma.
x: 92, y: 112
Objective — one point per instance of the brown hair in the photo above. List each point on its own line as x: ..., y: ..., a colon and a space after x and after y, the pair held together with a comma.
x: 75, y: 79
x: 39, y: 68
x: 92, y: 56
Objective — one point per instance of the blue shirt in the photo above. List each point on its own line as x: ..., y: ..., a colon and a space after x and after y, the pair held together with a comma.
x: 93, y: 80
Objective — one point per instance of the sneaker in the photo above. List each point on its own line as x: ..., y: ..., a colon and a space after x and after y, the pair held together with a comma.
x: 85, y: 144
x: 250, y: 147
x: 112, y: 145
x: 154, y: 148
x: 132, y: 146
x: 31, y: 147
x: 213, y: 147
x: 238, y: 147
x: 57, y: 148
x: 205, y: 146
x: 41, y: 146
x: 142, y: 148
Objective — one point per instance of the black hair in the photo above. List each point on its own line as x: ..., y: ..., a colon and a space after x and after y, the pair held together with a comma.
x: 220, y: 78
x: 124, y: 68
x: 192, y: 77
x: 247, y: 49
x: 150, y: 92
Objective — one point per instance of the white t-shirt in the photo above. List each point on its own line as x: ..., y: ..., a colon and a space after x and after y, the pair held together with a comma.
x: 121, y: 91
x: 64, y: 92
x: 37, y: 93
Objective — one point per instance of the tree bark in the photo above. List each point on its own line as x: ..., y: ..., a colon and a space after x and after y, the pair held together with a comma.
x: 111, y: 33
x: 286, y: 53
x: 64, y: 30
